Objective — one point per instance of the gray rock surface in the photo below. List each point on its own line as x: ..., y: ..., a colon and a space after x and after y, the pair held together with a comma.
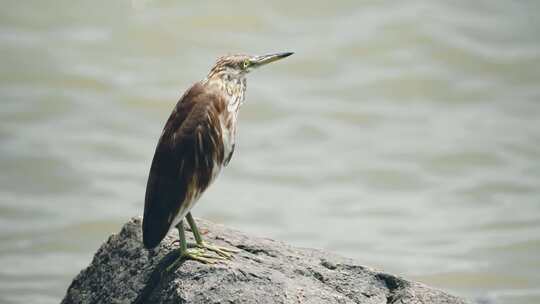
x: 264, y: 271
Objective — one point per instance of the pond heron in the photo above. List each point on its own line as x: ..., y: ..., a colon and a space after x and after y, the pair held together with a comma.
x: 196, y: 143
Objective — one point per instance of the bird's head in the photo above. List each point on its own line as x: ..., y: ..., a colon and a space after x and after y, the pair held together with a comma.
x: 237, y: 66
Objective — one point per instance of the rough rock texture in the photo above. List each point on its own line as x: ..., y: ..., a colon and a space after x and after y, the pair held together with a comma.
x: 264, y: 271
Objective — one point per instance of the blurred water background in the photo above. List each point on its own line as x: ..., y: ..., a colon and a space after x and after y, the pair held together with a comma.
x: 404, y: 134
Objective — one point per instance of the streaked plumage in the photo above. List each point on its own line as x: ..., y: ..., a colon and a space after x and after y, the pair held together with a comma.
x: 198, y: 140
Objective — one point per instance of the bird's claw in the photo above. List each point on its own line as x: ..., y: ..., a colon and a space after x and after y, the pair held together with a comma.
x: 223, y: 252
x: 195, y: 254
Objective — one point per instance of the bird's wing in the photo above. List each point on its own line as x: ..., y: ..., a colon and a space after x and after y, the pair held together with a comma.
x: 184, y: 162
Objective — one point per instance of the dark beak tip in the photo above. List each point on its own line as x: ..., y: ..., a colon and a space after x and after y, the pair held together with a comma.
x: 287, y: 54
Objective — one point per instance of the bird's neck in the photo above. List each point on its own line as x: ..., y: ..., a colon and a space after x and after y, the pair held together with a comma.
x: 232, y: 86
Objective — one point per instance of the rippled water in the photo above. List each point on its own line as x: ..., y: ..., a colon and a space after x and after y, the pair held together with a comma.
x: 403, y: 134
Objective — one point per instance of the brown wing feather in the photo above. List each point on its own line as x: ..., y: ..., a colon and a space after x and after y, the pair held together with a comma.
x: 185, y: 156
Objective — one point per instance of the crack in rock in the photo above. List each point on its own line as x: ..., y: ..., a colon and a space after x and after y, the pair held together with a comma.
x: 256, y: 250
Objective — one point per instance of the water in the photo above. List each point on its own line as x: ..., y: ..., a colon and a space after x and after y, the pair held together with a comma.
x: 405, y: 135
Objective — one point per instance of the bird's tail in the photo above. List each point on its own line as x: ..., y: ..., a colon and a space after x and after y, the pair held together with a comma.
x: 154, y: 231
x: 156, y: 223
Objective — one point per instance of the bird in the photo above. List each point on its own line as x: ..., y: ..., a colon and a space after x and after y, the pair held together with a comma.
x: 197, y: 142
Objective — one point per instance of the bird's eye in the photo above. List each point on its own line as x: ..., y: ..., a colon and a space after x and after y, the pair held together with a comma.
x: 245, y: 64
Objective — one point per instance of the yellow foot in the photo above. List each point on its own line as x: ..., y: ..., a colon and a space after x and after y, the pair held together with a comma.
x: 195, y: 254
x: 223, y: 252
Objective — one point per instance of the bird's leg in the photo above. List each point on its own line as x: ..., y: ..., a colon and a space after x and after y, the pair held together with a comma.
x: 186, y: 253
x: 222, y: 251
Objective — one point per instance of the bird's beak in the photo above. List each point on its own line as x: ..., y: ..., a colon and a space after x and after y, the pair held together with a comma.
x: 258, y: 61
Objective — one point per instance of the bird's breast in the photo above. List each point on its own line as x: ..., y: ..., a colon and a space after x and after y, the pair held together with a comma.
x: 228, y: 132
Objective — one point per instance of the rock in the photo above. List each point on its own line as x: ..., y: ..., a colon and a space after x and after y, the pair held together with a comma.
x: 264, y: 271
